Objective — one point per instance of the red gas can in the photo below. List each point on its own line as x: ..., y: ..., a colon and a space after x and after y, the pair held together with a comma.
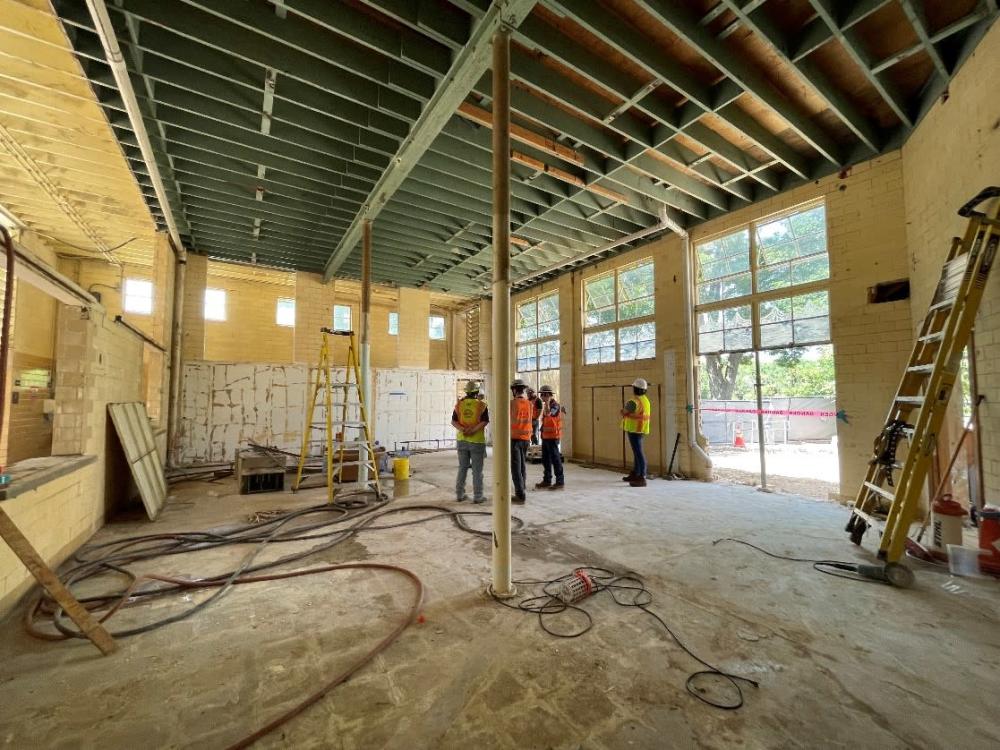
x: 989, y: 540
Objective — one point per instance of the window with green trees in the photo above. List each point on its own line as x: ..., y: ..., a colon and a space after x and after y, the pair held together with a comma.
x: 618, y: 310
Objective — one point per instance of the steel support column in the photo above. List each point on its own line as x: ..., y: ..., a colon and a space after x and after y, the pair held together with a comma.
x: 366, y: 345
x: 500, y: 421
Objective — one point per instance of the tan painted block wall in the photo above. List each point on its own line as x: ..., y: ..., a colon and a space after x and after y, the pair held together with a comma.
x: 250, y: 332
x: 100, y: 363
x: 195, y: 281
x: 413, y: 347
x: 954, y: 153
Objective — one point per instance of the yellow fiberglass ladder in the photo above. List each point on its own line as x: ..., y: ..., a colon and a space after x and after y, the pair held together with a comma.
x: 344, y: 409
x: 888, y: 500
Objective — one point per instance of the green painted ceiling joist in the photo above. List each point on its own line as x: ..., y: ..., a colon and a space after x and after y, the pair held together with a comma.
x: 468, y: 66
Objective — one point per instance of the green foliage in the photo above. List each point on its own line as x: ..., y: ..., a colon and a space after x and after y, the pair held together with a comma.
x: 786, y: 373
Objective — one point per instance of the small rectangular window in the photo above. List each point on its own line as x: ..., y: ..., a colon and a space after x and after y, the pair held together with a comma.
x: 599, y: 348
x: 724, y: 267
x: 215, y: 304
x: 341, y: 317
x: 394, y: 324
x: 637, y: 342
x: 436, y: 327
x: 285, y: 313
x: 138, y: 296
x: 635, y: 292
x: 599, y: 300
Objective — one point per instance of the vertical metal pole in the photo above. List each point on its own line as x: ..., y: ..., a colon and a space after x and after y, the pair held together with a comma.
x: 176, y: 354
x: 366, y: 347
x: 760, y: 423
x: 500, y: 417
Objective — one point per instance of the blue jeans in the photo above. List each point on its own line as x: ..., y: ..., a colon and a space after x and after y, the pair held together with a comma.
x: 635, y: 440
x: 551, y: 461
x: 470, y: 455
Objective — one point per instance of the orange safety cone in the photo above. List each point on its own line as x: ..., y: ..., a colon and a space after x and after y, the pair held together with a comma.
x: 738, y: 441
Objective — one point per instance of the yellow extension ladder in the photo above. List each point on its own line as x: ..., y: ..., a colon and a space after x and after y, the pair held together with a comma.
x: 888, y: 500
x: 335, y: 439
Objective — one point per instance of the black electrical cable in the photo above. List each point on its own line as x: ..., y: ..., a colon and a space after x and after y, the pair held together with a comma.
x: 115, y: 557
x: 549, y: 602
x: 827, y: 567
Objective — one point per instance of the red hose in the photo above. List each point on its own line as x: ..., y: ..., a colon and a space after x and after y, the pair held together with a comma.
x: 8, y: 299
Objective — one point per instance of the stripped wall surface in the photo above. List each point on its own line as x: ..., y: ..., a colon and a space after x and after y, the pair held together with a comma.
x: 227, y: 404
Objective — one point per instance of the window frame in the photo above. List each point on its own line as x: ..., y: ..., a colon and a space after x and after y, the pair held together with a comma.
x: 126, y: 295
x: 430, y: 328
x: 350, y: 318
x: 537, y: 375
x: 757, y: 298
x: 593, y: 331
x: 225, y: 305
x: 277, y: 311
x: 392, y: 318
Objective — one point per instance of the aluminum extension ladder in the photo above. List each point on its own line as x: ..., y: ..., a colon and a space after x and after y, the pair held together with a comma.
x: 334, y: 429
x: 890, y: 501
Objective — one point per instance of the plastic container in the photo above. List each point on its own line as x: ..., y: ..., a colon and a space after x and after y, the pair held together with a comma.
x: 964, y: 561
x: 401, y: 468
x: 946, y: 523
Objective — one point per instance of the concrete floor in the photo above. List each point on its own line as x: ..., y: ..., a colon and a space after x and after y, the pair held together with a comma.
x: 840, y: 664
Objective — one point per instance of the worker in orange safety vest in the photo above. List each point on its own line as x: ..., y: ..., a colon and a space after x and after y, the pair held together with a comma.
x: 520, y: 437
x: 552, y: 423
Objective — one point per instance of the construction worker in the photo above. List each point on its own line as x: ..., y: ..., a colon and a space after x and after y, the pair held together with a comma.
x: 470, y: 418
x: 520, y: 437
x: 635, y: 422
x: 536, y: 413
x: 552, y: 465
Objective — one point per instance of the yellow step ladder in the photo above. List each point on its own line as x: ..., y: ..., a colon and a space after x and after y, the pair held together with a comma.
x: 889, y: 497
x: 335, y: 429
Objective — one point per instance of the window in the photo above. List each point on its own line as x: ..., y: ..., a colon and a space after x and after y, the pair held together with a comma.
x: 394, y: 324
x: 624, y: 295
x: 341, y: 317
x: 215, y: 304
x: 537, y: 334
x: 138, y: 296
x: 764, y: 285
x: 285, y: 313
x: 435, y: 327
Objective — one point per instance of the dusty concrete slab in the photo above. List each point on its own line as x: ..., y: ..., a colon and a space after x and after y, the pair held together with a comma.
x: 840, y: 664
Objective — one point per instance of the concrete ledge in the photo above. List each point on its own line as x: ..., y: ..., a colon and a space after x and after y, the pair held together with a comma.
x: 34, y: 472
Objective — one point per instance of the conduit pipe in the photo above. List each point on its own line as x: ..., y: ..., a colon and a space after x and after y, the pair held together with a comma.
x: 8, y: 299
x: 697, y: 452
x: 662, y: 225
x: 109, y: 41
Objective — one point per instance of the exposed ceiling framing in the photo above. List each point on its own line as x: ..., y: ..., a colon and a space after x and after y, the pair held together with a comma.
x: 280, y: 127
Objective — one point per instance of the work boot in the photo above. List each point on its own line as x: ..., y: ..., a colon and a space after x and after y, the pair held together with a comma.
x: 557, y: 486
x: 518, y: 500
x: 478, y: 500
x: 461, y: 499
x: 638, y: 482
x: 628, y: 477
x: 542, y: 485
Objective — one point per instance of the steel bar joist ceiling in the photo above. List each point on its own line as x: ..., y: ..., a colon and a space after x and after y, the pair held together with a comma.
x: 279, y: 126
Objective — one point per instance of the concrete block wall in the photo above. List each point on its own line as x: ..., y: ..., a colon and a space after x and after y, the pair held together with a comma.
x: 954, y: 153
x: 195, y: 282
x: 99, y: 363
x: 413, y: 345
x: 250, y: 332
x: 227, y: 404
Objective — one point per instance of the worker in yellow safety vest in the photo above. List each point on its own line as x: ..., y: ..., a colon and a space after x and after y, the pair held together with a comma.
x: 470, y: 417
x: 520, y: 437
x: 635, y: 421
x: 552, y: 424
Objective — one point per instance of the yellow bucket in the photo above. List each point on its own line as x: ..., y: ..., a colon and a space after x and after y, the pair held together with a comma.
x: 401, y: 468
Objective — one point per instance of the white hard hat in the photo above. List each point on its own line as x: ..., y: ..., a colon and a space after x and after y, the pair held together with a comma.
x: 640, y: 383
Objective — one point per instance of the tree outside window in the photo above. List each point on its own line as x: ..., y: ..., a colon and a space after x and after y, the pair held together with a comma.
x: 537, y: 337
x: 626, y: 294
